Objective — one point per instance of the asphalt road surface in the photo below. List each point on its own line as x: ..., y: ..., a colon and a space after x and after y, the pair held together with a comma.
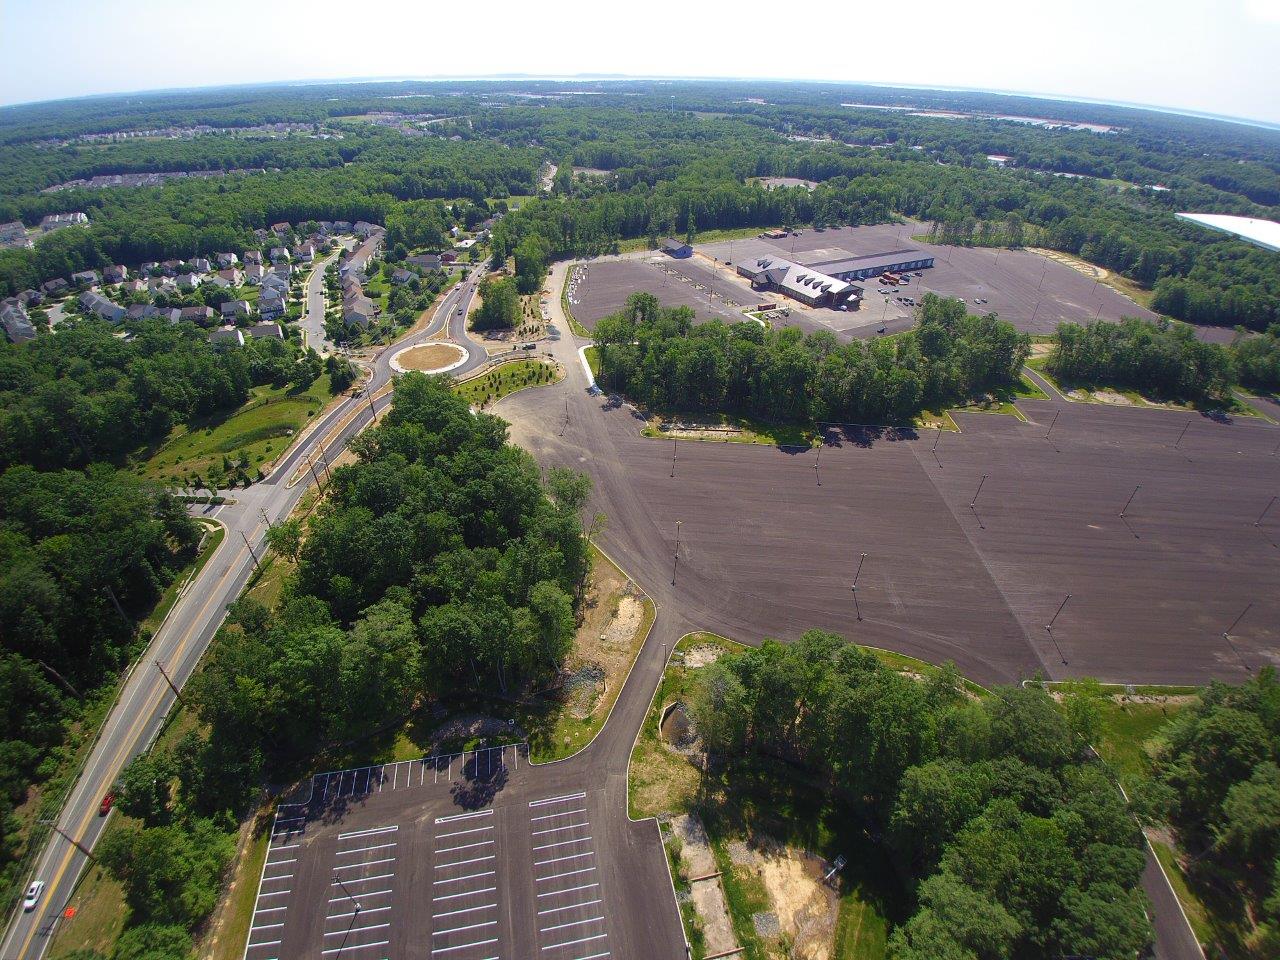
x: 145, y: 697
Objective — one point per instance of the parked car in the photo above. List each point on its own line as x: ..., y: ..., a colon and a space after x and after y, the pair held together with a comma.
x: 529, y: 346
x: 33, y: 895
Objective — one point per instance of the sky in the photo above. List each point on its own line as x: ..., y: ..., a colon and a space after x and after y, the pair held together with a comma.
x: 1212, y: 56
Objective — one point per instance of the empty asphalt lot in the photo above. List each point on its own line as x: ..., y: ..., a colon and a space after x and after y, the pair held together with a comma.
x: 768, y: 551
x: 471, y: 856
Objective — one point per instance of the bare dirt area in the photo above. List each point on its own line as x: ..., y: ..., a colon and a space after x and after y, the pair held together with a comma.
x: 428, y: 357
x: 806, y: 908
x: 697, y: 861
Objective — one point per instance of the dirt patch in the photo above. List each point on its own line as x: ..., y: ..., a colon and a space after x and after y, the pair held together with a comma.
x: 697, y: 860
x: 429, y: 356
x: 1041, y: 349
x: 1088, y: 269
x: 806, y: 909
x: 606, y: 642
x: 1110, y: 396
x: 702, y: 655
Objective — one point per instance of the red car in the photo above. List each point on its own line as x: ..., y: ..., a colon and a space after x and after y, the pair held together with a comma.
x: 105, y: 807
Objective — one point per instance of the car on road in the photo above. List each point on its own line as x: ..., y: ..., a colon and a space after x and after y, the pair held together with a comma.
x: 107, y: 802
x: 529, y: 346
x: 33, y: 895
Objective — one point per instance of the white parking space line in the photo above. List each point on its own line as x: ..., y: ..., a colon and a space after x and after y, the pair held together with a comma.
x: 459, y: 833
x: 466, y: 846
x: 465, y: 893
x: 465, y: 816
x: 550, y: 800
x: 556, y: 893
x: 572, y: 856
x: 469, y: 876
x: 470, y: 926
x: 359, y: 946
x: 345, y: 931
x: 376, y: 846
x: 564, y: 843
x: 352, y: 913
x: 365, y: 895
x: 561, y: 813
x: 567, y: 826
x: 381, y: 876
x: 463, y: 863
x: 372, y: 831
x: 365, y: 863
x: 464, y: 946
x: 571, y: 906
x: 570, y: 923
x: 454, y: 913
x: 568, y: 873
x: 573, y: 943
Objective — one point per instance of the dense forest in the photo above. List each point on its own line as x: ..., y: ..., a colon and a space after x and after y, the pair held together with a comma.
x: 1012, y: 842
x: 660, y: 358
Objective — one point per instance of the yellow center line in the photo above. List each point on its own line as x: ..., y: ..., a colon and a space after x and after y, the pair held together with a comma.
x: 151, y: 703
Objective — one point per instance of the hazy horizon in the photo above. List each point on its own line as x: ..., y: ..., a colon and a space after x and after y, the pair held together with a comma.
x: 1196, y: 57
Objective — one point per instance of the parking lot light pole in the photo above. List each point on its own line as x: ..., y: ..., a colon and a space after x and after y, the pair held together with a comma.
x: 1185, y: 428
x: 1258, y: 522
x: 675, y: 566
x: 854, y: 589
x: 974, y: 502
x: 673, y: 459
x: 1125, y: 508
x: 1055, y: 420
x: 347, y: 892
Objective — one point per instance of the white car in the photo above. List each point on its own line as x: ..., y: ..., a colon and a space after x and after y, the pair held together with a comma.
x: 33, y: 895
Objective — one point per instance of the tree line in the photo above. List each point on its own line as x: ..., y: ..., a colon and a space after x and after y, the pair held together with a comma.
x: 660, y: 358
x: 1163, y: 360
x: 1013, y: 844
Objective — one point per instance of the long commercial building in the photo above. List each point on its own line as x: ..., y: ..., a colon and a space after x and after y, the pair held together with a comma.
x: 829, y: 283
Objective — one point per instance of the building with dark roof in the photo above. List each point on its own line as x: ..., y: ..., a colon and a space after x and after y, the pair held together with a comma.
x: 676, y: 248
x: 873, y: 265
x: 806, y: 284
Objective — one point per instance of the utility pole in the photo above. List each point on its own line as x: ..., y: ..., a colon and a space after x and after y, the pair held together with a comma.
x: 51, y: 824
x: 818, y: 463
x: 313, y: 473
x: 176, y: 692
x: 324, y: 460
x: 256, y: 565
x: 262, y: 515
x: 673, y: 460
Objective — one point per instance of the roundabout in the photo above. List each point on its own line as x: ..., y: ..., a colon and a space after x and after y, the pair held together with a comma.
x: 429, y: 358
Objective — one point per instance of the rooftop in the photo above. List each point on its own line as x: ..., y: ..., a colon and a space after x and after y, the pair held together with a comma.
x: 1263, y: 233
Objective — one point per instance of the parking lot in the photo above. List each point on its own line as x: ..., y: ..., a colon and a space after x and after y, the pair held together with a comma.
x: 1033, y: 293
x: 472, y: 856
x: 604, y: 286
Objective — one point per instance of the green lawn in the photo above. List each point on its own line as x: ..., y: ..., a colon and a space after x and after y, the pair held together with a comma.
x: 1130, y: 734
x: 593, y: 360
x: 257, y: 432
x: 506, y: 379
x: 1236, y: 407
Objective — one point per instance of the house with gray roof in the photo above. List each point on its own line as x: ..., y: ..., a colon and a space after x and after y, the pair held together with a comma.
x: 18, y: 327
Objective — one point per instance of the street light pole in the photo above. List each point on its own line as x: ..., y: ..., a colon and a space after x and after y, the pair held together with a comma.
x: 675, y: 566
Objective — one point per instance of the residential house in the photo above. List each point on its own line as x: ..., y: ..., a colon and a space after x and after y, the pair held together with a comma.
x: 401, y: 277
x: 448, y: 258
x: 279, y: 255
x: 17, y: 325
x: 170, y: 268
x: 266, y: 330
x: 31, y: 298
x: 283, y: 270
x: 158, y: 285
x: 115, y: 274
x: 148, y: 268
x: 227, y: 335
x: 219, y: 281
x: 358, y: 312
x: 280, y: 228
x: 200, y: 315
x: 363, y: 228
x: 134, y: 286
x: 305, y: 252
x: 13, y: 230
x: 98, y: 305
x: 271, y: 304
x: 273, y: 281
x: 342, y: 226
x: 235, y: 308
x: 188, y: 281
x: 232, y: 276
x: 55, y: 220
x: 253, y: 256
x: 227, y: 260
x: 201, y: 265
x: 254, y: 273
x: 86, y: 278
x: 54, y: 287
x: 426, y: 261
